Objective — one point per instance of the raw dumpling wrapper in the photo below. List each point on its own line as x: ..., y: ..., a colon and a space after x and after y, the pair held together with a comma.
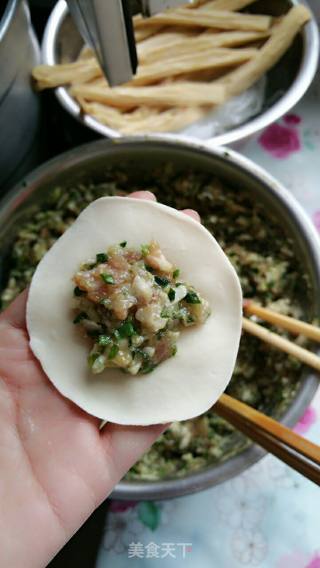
x: 183, y: 386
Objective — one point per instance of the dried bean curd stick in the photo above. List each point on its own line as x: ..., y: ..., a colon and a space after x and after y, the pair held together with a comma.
x: 89, y: 69
x: 114, y: 117
x: 168, y: 36
x: 280, y: 40
x: 176, y: 94
x: 211, y: 19
x: 213, y: 59
x: 49, y: 76
x: 166, y: 121
x: 150, y: 120
x: 86, y: 53
x: 192, y: 45
x: 227, y: 5
x: 146, y: 32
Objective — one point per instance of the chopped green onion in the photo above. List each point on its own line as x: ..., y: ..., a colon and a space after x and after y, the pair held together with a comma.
x: 142, y: 354
x: 78, y: 292
x: 147, y: 368
x: 88, y: 266
x: 145, y: 249
x: 165, y: 313
x: 149, y: 268
x: 81, y: 316
x: 104, y: 340
x: 176, y: 273
x: 126, y: 329
x: 107, y: 278
x: 123, y: 244
x: 99, y: 364
x: 160, y: 334
x: 171, y: 295
x: 192, y: 298
x: 113, y: 351
x: 174, y: 350
x: 161, y: 281
x: 92, y: 358
x: 102, y: 257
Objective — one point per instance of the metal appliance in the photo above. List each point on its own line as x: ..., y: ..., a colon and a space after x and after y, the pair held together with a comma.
x: 106, y: 25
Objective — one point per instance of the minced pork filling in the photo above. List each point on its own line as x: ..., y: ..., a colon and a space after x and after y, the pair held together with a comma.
x: 132, y: 305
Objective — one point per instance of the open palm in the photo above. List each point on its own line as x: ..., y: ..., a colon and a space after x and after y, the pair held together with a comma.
x: 56, y: 465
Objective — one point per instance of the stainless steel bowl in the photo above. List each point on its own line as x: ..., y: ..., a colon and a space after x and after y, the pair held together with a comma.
x: 287, y: 81
x: 19, y: 104
x: 89, y: 162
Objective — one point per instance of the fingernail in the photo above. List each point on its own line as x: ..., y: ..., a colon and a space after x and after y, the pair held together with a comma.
x: 194, y: 214
x: 143, y: 195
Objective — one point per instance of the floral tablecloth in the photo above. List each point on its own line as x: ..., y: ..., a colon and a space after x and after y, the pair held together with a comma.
x: 269, y: 516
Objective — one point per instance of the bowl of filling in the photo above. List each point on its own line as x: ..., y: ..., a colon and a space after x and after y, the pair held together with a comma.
x: 219, y: 71
x: 267, y: 238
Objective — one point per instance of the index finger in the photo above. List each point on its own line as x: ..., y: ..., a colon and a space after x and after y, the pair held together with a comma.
x: 149, y: 196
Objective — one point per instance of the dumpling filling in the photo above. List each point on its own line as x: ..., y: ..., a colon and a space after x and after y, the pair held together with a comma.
x: 132, y: 304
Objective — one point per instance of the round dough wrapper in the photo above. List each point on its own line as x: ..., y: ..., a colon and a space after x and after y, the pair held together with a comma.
x: 181, y: 387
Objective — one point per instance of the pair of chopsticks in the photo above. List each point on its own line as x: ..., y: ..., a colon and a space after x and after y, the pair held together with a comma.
x: 290, y: 324
x: 299, y: 453
x: 292, y: 449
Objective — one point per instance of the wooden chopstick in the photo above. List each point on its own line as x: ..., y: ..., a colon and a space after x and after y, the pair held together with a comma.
x: 286, y: 345
x: 291, y: 324
x: 302, y: 455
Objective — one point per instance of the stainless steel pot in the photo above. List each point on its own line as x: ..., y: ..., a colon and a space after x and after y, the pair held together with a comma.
x: 89, y: 162
x: 287, y: 81
x: 19, y: 105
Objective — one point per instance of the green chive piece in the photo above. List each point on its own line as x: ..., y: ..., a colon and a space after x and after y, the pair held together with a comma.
x: 149, y: 269
x: 126, y: 330
x: 102, y: 257
x: 124, y: 244
x: 147, y: 368
x: 174, y: 350
x: 81, y: 316
x: 88, y: 266
x: 104, y: 340
x: 165, y: 313
x: 171, y: 295
x: 107, y: 278
x: 176, y: 273
x: 78, y: 292
x: 142, y: 354
x: 113, y: 351
x: 192, y: 298
x: 161, y: 281
x: 92, y: 358
x: 145, y: 249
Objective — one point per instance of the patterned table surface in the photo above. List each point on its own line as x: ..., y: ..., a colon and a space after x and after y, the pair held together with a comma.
x: 269, y: 516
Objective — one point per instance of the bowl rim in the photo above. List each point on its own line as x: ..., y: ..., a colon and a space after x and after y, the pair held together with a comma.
x: 301, y: 83
x: 205, y: 478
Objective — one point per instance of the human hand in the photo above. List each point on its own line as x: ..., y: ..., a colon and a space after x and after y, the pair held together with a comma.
x: 57, y: 466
